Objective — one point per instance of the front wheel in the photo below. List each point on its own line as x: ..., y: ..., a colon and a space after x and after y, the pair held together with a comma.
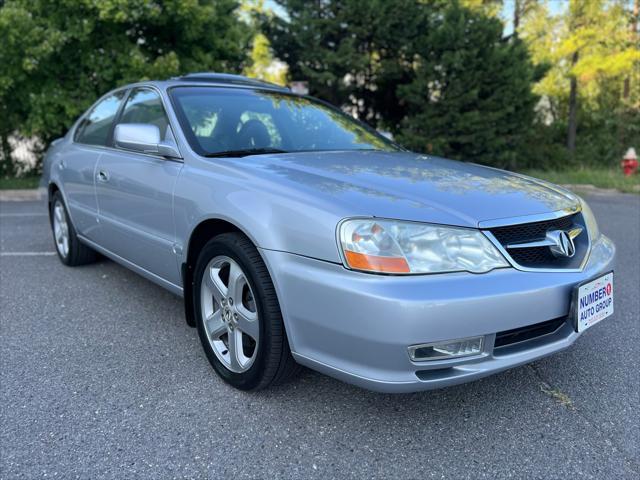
x: 238, y: 315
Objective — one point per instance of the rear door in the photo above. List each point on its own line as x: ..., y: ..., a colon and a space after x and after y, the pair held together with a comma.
x: 78, y: 166
x: 135, y: 194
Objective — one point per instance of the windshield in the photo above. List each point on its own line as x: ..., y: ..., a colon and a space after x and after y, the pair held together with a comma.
x: 218, y: 120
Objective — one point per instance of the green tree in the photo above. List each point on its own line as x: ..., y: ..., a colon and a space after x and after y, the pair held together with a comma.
x: 471, y: 94
x: 436, y: 74
x: 490, y: 8
x: 58, y: 56
x: 593, y: 56
x: 262, y: 63
x: 353, y: 53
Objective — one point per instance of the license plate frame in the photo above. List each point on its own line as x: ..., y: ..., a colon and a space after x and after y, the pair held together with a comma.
x: 592, y: 317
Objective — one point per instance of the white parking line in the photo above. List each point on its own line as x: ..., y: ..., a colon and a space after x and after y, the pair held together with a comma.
x: 26, y: 254
x: 27, y: 214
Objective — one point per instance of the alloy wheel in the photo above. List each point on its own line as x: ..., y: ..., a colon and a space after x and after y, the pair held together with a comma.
x: 61, y: 229
x: 230, y: 315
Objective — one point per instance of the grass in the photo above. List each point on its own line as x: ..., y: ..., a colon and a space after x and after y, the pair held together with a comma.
x: 598, y: 177
x: 11, y: 183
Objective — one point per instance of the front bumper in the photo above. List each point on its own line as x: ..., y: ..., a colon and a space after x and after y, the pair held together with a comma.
x: 356, y: 326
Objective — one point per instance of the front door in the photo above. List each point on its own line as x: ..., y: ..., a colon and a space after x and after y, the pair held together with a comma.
x: 78, y: 166
x: 135, y: 195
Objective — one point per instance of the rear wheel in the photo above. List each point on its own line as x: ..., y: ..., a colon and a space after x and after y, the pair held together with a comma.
x: 238, y: 315
x: 70, y: 250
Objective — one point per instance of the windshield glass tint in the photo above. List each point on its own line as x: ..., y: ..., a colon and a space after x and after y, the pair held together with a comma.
x: 219, y: 119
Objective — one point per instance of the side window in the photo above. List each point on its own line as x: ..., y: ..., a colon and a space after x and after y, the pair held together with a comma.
x: 96, y: 127
x: 145, y: 106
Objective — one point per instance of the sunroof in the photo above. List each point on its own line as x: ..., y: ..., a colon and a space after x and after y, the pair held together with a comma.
x: 228, y: 79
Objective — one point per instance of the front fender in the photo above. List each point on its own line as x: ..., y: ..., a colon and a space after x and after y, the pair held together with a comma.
x: 274, y: 217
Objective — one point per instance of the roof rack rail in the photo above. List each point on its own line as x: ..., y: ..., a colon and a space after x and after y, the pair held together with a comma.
x: 228, y: 78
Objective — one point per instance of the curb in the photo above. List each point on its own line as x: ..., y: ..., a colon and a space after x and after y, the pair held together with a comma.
x: 23, y: 195
x: 588, y: 188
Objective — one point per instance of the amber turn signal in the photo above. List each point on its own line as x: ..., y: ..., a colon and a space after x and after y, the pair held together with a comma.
x: 373, y: 263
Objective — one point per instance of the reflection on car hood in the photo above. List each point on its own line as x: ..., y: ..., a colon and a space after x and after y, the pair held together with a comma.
x: 410, y: 186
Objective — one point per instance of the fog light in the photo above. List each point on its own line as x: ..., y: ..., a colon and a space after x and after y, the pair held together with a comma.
x: 464, y: 347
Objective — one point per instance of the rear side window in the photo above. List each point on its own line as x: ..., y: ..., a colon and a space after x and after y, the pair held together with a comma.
x: 96, y: 127
x: 145, y: 106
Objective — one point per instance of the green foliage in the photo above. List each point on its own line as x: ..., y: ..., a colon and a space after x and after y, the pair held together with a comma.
x: 598, y: 30
x: 471, y: 95
x: 58, y: 56
x: 596, y: 176
x: 262, y: 64
x: 442, y: 76
x: 439, y: 74
x: 436, y: 74
x: 608, y: 117
x: 11, y: 183
x: 353, y: 53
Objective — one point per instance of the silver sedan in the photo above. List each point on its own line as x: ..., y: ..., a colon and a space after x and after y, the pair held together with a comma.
x: 299, y: 236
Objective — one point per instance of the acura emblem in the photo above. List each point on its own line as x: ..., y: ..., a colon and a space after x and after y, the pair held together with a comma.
x: 561, y: 243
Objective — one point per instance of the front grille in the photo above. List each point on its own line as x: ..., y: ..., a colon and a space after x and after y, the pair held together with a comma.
x: 541, y: 257
x: 517, y: 335
x: 527, y: 232
x: 531, y: 256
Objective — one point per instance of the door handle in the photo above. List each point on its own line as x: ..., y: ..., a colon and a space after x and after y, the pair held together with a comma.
x: 61, y: 165
x: 103, y: 176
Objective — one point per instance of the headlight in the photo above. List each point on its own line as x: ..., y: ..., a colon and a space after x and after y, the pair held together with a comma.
x: 391, y: 246
x: 590, y: 221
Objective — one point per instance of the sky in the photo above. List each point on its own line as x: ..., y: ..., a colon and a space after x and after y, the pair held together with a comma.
x: 277, y: 9
x: 555, y: 7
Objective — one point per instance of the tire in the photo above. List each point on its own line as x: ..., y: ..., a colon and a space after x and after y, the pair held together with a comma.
x: 73, y: 252
x: 262, y: 356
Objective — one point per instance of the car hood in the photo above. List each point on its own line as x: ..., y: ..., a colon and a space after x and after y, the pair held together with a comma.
x: 408, y: 186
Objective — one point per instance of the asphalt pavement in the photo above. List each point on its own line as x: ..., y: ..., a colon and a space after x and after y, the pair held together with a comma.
x: 100, y: 377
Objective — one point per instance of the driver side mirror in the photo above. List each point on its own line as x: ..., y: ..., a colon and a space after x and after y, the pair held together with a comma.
x: 143, y: 138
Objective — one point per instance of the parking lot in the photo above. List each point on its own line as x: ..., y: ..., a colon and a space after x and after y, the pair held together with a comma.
x: 102, y: 378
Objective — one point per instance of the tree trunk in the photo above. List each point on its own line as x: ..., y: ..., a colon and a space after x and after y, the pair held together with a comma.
x: 573, y: 109
x: 6, y: 162
x: 516, y: 17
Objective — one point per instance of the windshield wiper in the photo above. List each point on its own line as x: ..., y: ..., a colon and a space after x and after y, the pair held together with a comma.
x: 245, y: 152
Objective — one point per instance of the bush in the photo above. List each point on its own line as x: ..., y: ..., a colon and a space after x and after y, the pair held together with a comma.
x: 58, y: 57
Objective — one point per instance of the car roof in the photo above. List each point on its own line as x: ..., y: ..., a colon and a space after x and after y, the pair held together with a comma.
x: 214, y: 79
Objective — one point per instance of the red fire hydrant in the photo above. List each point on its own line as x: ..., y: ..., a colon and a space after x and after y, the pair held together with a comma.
x: 629, y: 162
